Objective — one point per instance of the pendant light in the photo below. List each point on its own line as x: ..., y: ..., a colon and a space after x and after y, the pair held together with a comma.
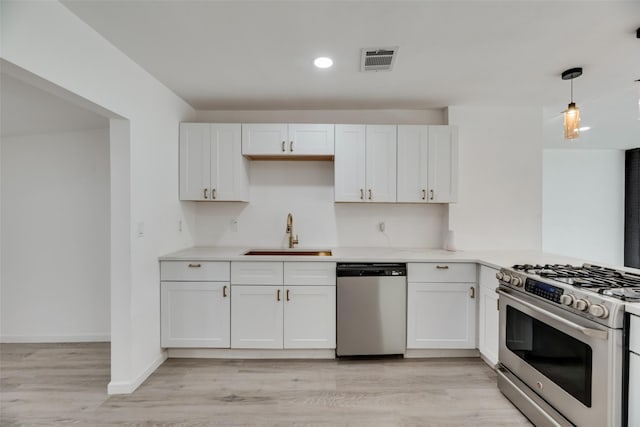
x: 572, y: 113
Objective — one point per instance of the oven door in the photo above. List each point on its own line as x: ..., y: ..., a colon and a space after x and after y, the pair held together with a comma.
x: 562, y: 357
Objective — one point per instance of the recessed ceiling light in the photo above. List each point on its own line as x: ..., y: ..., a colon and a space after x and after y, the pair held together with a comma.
x: 582, y: 129
x: 323, y: 62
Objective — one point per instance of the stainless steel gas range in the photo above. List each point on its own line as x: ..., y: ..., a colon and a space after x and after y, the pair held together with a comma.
x: 561, y: 342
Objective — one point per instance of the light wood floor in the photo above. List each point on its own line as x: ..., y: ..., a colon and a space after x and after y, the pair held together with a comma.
x: 57, y: 384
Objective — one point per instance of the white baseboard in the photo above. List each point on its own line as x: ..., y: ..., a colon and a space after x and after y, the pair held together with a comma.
x: 128, y: 387
x: 454, y: 352
x: 228, y: 353
x: 8, y: 339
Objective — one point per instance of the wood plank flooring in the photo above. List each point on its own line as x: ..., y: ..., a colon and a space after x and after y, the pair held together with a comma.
x: 59, y: 384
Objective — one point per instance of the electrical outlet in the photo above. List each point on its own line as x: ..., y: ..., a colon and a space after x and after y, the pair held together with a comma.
x: 180, y: 225
x: 381, y: 226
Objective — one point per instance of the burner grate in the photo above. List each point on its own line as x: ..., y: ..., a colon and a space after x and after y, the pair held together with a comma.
x: 604, y: 280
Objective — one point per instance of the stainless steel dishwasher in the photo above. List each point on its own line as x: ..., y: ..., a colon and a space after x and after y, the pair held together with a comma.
x: 371, y: 309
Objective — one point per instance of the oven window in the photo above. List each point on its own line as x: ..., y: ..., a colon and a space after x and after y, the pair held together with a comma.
x: 563, y: 359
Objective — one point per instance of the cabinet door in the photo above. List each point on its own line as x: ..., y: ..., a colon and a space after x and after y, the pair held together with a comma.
x: 264, y: 139
x: 443, y: 164
x: 310, y: 317
x: 310, y: 139
x: 634, y: 390
x: 229, y: 176
x: 256, y: 316
x: 195, y: 314
x: 413, y: 146
x: 381, y: 163
x: 488, y: 325
x: 349, y: 163
x: 441, y: 315
x: 195, y: 155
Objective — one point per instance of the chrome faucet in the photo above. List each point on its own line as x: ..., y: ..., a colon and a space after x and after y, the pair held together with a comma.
x: 292, y: 242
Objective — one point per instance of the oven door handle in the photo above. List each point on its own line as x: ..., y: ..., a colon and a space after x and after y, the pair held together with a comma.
x: 594, y: 333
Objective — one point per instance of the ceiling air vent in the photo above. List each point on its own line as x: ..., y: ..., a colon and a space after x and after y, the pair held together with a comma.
x: 378, y: 59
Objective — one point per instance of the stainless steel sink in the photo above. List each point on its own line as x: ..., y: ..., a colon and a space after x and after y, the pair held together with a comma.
x: 288, y: 252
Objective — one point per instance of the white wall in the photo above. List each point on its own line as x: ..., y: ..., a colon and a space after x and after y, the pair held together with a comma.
x: 306, y: 190
x: 434, y: 116
x: 55, y: 240
x: 500, y: 178
x: 47, y: 40
x: 583, y: 204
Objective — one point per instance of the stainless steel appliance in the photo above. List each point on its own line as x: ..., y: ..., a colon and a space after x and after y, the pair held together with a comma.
x: 371, y: 307
x: 561, y: 342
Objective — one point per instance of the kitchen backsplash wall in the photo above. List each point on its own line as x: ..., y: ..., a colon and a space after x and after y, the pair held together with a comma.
x: 305, y: 189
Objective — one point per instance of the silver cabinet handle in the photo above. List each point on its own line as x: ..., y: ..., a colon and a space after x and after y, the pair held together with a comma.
x: 473, y: 292
x: 195, y: 265
x: 361, y: 194
x: 283, y: 149
x: 287, y: 296
x: 224, y: 291
x: 442, y: 267
x: 205, y: 193
x: 278, y: 295
x: 369, y: 194
x: 424, y: 194
x: 430, y: 194
x: 213, y: 194
x: 291, y: 146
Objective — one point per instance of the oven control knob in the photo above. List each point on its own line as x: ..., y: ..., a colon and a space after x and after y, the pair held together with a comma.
x: 499, y: 275
x: 567, y: 299
x: 516, y: 281
x: 581, y: 304
x: 598, y: 310
x: 506, y: 278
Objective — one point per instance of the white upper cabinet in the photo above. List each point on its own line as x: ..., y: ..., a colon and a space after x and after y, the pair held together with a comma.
x: 427, y: 164
x: 365, y: 163
x: 211, y: 164
x: 443, y: 164
x: 349, y: 163
x: 283, y: 140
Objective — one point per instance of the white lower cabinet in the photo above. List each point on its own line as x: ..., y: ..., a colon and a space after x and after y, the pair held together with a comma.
x: 634, y: 373
x: 488, y: 321
x: 310, y: 317
x: 441, y: 315
x: 441, y: 306
x: 634, y: 389
x: 195, y: 314
x: 298, y: 312
x: 256, y: 316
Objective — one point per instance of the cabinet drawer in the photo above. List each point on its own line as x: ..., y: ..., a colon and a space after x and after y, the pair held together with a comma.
x: 441, y: 272
x: 192, y: 271
x: 310, y: 273
x: 634, y: 337
x: 256, y: 273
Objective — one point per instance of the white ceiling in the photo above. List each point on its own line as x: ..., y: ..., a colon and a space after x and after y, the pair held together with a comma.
x: 251, y: 55
x: 30, y: 110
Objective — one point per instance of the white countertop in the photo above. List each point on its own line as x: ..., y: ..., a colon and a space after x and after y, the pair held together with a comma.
x: 494, y: 259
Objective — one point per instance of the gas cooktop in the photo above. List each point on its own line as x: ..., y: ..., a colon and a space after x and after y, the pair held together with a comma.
x: 603, y: 280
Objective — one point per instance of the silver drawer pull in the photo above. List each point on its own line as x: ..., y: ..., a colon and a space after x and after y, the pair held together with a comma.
x: 195, y: 265
x: 442, y: 267
x: 224, y: 291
